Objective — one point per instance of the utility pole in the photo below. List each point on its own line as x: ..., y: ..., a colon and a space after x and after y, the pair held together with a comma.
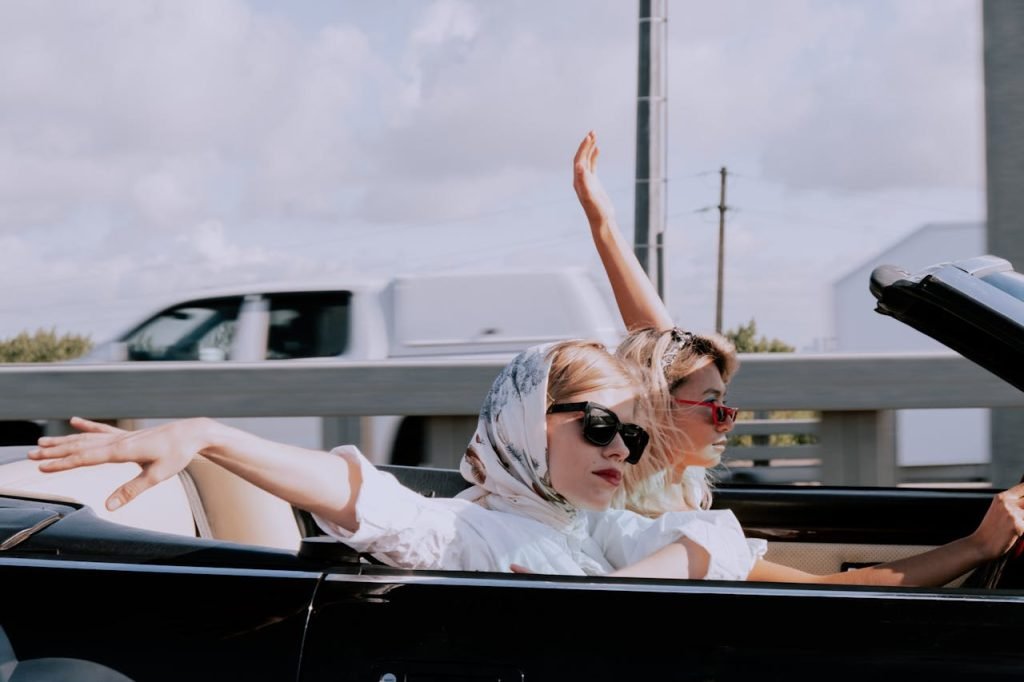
x: 650, y: 202
x: 1002, y: 28
x: 721, y: 251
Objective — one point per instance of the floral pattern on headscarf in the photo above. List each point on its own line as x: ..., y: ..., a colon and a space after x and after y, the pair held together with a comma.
x: 507, y: 456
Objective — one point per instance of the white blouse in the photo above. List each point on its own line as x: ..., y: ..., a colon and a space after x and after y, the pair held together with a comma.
x: 405, y: 529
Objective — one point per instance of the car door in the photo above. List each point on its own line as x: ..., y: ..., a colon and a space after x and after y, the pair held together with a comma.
x: 112, y: 600
x: 158, y: 623
x: 386, y: 624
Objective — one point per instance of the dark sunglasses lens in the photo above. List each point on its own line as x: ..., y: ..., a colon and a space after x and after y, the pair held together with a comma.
x: 635, y: 439
x: 600, y: 426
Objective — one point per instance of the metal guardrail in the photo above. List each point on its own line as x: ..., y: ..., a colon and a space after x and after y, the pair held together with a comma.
x: 771, y: 463
x: 855, y: 394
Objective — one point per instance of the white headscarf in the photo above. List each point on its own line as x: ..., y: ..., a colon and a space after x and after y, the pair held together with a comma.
x: 507, y: 459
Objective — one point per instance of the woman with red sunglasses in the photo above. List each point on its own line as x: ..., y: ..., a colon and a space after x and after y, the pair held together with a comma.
x: 687, y: 376
x: 690, y: 373
x: 690, y: 417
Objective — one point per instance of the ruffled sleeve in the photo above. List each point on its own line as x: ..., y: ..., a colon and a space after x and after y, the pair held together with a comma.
x: 627, y: 537
x: 396, y: 524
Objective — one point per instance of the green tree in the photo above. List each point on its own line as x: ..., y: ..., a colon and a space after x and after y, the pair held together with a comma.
x: 43, y: 346
x: 746, y: 341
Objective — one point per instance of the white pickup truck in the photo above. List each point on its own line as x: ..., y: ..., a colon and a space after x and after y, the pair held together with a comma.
x: 432, y: 315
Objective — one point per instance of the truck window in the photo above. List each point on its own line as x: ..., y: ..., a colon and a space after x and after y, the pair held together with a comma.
x: 185, y: 331
x: 308, y: 324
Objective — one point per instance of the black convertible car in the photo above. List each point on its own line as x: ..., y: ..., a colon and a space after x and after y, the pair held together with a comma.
x: 216, y: 580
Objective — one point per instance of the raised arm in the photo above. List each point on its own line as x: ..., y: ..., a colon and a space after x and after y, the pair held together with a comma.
x: 638, y: 300
x: 315, y: 481
x: 1002, y: 525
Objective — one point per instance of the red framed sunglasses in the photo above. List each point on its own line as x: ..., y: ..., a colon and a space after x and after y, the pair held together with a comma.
x: 720, y: 414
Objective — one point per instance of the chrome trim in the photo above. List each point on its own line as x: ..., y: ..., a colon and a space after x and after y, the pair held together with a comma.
x: 814, y: 591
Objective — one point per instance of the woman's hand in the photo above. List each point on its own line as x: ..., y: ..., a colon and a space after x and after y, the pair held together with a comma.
x: 89, y: 426
x: 638, y: 301
x: 1002, y: 525
x: 162, y: 451
x: 589, y: 189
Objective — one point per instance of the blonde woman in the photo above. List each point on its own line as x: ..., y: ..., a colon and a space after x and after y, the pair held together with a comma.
x: 687, y: 376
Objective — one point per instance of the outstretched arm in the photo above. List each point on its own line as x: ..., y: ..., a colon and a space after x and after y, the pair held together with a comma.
x: 638, y: 300
x: 315, y: 481
x: 1002, y: 525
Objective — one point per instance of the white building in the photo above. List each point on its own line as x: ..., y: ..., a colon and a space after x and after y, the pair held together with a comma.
x: 923, y: 436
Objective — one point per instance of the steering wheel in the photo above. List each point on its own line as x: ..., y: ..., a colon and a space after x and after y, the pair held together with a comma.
x: 1006, y: 572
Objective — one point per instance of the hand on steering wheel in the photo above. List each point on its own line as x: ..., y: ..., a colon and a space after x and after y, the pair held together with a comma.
x: 1004, y: 572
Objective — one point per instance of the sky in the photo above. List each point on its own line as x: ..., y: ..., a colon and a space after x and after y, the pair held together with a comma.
x: 154, y: 147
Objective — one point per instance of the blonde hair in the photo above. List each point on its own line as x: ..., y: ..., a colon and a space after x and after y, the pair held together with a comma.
x: 582, y: 366
x: 669, y: 358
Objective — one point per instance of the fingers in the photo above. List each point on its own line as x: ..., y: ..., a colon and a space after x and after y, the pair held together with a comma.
x: 585, y: 151
x: 50, y: 447
x: 56, y: 446
x: 1005, y: 520
x: 1017, y: 491
x: 68, y: 452
x: 1017, y: 503
x: 129, y: 491
x: 585, y: 162
x: 66, y: 461
x: 1013, y: 498
x: 581, y: 151
x: 518, y: 568
x: 89, y: 426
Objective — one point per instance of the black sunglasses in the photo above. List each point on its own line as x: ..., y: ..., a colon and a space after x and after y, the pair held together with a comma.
x: 601, y: 424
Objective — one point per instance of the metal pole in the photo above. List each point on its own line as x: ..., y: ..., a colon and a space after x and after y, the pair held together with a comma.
x: 650, y: 202
x: 1003, y: 26
x: 721, y: 253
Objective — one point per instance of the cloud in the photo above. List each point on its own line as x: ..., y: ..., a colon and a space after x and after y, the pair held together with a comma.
x: 493, y: 99
x: 209, y: 243
x: 163, y: 143
x: 142, y: 103
x: 857, y: 98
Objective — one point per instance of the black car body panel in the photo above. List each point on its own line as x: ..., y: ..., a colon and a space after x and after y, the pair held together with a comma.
x: 975, y: 306
x: 159, y: 622
x: 160, y: 607
x: 608, y: 629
